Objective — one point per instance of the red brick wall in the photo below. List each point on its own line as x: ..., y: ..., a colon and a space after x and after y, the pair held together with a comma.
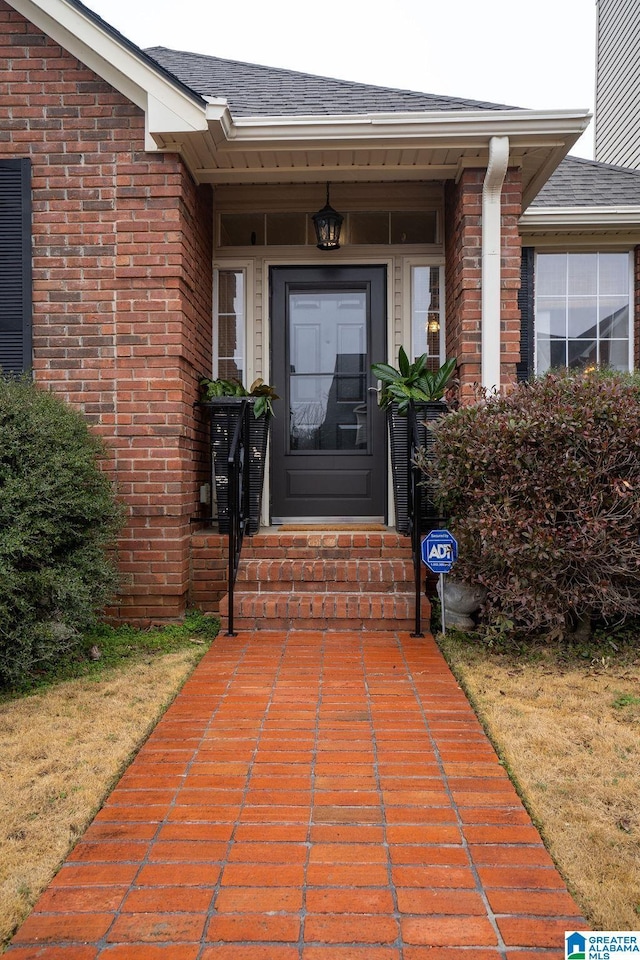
x: 510, y: 263
x: 122, y: 253
x: 463, y: 276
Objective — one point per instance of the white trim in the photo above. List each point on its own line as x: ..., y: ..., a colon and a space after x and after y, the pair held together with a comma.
x: 558, y: 218
x: 521, y: 125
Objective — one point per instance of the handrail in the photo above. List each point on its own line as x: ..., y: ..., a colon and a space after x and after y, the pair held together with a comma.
x: 238, y: 478
x: 415, y: 518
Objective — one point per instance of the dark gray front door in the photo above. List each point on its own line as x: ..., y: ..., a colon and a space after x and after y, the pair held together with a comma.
x: 328, y: 451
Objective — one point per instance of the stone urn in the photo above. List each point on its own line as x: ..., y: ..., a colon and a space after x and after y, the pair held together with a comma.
x: 460, y: 601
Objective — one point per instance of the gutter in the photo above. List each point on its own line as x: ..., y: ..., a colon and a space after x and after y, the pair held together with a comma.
x: 491, y: 272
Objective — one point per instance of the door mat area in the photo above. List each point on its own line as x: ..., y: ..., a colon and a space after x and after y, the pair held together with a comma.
x: 320, y: 527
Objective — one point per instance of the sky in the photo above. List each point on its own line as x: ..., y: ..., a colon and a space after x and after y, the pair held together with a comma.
x: 539, y: 55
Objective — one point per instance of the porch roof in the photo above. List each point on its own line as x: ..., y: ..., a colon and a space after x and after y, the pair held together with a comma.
x: 346, y: 131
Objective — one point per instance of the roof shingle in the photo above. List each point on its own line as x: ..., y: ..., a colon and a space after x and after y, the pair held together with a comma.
x: 258, y: 91
x: 586, y: 183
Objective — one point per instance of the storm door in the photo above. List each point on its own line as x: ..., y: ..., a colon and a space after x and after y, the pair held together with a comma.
x: 328, y: 458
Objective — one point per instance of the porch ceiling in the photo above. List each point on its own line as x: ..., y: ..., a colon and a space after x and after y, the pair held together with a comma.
x: 375, y: 147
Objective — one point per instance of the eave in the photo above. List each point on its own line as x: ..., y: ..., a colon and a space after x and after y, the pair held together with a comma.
x: 218, y: 148
x: 577, y: 218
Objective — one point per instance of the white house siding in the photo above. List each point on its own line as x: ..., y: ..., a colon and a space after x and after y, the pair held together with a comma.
x: 617, y: 119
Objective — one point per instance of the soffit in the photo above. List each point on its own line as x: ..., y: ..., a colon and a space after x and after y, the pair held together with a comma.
x: 365, y: 148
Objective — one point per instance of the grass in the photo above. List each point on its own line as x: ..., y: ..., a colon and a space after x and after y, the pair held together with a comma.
x: 566, y: 723
x: 106, y: 647
x: 66, y: 738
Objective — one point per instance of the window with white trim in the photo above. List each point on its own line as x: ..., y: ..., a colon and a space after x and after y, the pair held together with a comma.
x: 427, y: 318
x: 583, y: 310
x: 230, y: 341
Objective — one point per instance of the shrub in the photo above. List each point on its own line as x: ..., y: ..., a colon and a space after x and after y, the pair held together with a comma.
x: 543, y: 488
x: 58, y: 521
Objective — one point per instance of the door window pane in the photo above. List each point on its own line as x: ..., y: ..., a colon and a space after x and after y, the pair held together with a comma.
x: 327, y: 370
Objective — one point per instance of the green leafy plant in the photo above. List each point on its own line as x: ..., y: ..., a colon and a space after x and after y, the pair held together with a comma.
x: 58, y: 522
x: 413, y: 381
x: 543, y: 491
x: 263, y: 393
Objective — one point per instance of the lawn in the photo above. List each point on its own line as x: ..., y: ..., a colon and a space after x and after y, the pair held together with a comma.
x: 567, y: 727
x: 65, y: 741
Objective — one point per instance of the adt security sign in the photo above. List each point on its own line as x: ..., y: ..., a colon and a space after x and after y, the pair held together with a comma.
x: 439, y: 551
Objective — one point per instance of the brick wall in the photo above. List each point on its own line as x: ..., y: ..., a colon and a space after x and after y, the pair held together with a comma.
x: 463, y: 276
x: 122, y: 254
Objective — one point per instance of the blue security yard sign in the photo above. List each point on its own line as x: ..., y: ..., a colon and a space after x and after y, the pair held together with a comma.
x: 439, y: 551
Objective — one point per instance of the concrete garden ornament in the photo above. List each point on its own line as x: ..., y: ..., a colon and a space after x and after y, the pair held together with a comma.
x: 460, y: 600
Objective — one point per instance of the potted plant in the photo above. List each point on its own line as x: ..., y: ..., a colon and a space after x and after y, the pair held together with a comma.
x: 411, y: 387
x: 223, y: 399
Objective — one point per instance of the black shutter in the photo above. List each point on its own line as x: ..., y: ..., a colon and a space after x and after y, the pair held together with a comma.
x: 525, y: 303
x: 15, y: 266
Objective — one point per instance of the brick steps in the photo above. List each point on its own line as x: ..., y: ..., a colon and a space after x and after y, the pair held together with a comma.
x: 319, y: 581
x: 359, y: 576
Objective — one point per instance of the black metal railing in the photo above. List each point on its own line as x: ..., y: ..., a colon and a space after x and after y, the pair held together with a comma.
x: 422, y: 508
x: 239, y: 491
x: 415, y: 516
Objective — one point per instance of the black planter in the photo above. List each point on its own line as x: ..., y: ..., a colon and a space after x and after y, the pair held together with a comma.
x: 400, y: 442
x: 223, y: 417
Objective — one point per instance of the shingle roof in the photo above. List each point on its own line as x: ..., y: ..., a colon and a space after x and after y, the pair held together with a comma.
x: 252, y: 90
x: 586, y: 183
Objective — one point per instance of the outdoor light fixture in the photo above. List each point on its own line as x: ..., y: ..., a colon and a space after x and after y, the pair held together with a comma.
x: 433, y: 326
x: 327, y: 223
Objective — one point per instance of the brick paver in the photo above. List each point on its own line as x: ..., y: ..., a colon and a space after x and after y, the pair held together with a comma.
x: 309, y: 796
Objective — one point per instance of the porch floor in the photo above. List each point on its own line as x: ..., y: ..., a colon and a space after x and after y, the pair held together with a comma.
x: 309, y: 796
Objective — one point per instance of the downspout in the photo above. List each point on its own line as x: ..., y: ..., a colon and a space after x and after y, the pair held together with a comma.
x: 491, y: 274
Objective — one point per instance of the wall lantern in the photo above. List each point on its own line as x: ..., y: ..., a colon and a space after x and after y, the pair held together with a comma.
x: 327, y: 223
x: 433, y: 326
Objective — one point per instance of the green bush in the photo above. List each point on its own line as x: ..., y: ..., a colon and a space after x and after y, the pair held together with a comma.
x: 58, y: 522
x: 543, y: 488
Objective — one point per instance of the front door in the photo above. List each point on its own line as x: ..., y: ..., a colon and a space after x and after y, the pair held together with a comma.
x: 328, y: 457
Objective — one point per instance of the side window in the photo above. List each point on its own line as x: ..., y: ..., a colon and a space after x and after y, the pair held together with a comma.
x: 230, y: 322
x: 427, y: 315
x: 583, y: 310
x: 15, y: 266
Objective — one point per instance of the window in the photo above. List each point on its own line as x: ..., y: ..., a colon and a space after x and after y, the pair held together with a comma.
x: 15, y: 265
x: 427, y: 320
x: 296, y: 229
x: 229, y: 349
x: 582, y: 310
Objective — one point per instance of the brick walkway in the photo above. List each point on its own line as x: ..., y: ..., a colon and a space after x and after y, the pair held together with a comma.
x: 315, y: 796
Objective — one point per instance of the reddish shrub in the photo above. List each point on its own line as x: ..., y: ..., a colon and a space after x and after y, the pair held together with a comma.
x: 543, y: 488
